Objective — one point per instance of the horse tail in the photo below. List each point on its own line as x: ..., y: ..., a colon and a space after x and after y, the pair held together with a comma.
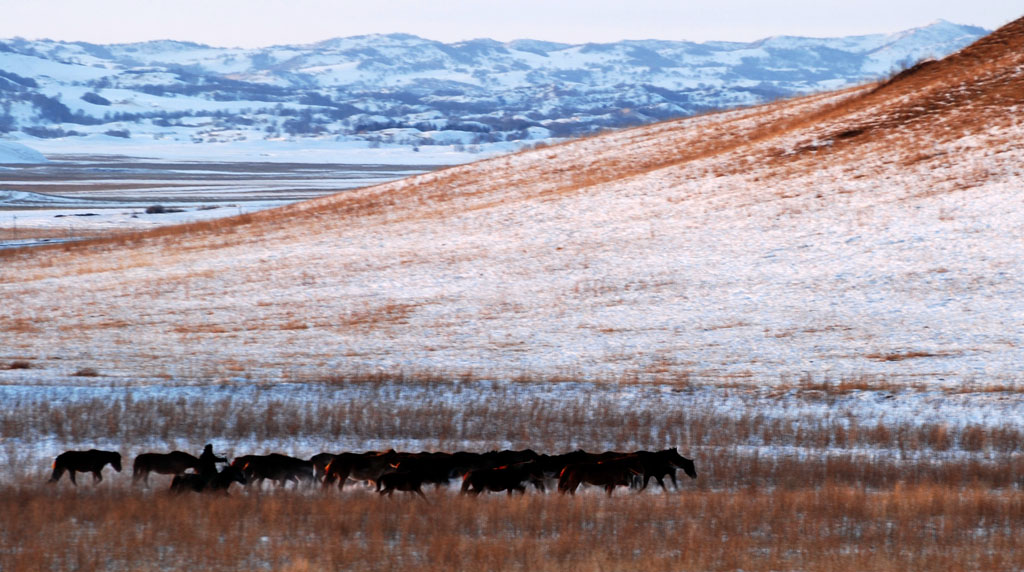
x: 139, y: 470
x: 58, y: 471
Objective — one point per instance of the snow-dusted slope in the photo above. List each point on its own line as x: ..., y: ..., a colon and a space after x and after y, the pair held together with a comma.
x: 873, y: 231
x: 407, y: 90
x: 11, y: 153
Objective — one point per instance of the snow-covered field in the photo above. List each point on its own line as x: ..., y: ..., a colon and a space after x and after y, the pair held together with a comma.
x: 702, y: 268
x: 868, y: 236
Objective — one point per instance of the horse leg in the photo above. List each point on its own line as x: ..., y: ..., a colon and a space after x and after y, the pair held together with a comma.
x: 661, y: 481
x: 647, y: 480
x: 570, y: 487
x: 97, y: 475
x: 564, y: 481
x: 71, y: 475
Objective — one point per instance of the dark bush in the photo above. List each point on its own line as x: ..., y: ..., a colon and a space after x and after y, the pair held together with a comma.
x: 160, y: 209
x: 95, y: 99
x: 47, y: 133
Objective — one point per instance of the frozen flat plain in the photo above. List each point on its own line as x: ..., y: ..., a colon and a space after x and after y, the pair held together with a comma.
x: 72, y: 197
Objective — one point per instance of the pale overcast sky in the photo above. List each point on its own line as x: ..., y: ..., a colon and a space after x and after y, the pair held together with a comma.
x: 254, y: 23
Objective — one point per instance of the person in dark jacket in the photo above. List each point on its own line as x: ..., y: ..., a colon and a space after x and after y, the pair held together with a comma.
x: 208, y: 463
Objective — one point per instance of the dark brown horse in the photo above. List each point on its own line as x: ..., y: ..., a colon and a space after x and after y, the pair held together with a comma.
x: 173, y: 463
x: 608, y: 474
x: 320, y: 462
x: 660, y: 464
x: 276, y: 467
x: 401, y: 481
x: 368, y: 466
x: 219, y: 483
x: 509, y: 478
x: 91, y: 461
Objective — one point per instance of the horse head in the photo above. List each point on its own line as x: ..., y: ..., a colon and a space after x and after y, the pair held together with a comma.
x: 115, y: 461
x: 234, y: 474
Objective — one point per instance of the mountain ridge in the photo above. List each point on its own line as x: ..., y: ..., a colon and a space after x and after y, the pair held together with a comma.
x: 402, y: 89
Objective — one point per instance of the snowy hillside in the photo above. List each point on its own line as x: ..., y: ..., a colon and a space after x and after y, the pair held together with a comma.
x: 11, y: 153
x: 873, y: 231
x: 406, y: 90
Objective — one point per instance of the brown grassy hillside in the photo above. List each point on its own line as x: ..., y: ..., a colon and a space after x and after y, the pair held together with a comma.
x: 869, y: 231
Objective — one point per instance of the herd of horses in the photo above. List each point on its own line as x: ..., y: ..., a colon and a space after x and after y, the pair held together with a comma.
x: 390, y: 471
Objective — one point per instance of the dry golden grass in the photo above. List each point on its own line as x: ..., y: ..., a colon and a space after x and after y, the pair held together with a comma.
x: 24, y: 233
x: 19, y: 325
x: 825, y: 527
x: 858, y: 496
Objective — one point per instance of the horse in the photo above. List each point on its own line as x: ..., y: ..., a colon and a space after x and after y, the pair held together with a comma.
x: 609, y: 474
x: 368, y: 466
x: 91, y: 461
x: 509, y: 478
x: 663, y: 463
x: 276, y: 467
x: 320, y: 462
x: 218, y: 483
x: 173, y: 463
x: 431, y: 468
x: 400, y: 481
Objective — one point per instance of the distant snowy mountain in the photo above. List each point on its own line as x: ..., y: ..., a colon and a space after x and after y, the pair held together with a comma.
x: 403, y: 89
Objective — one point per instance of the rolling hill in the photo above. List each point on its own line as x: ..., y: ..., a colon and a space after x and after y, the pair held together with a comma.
x: 874, y: 231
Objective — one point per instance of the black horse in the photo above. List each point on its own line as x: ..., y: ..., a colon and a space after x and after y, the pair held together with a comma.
x: 199, y: 483
x: 509, y: 478
x: 173, y: 463
x: 608, y: 474
x: 91, y: 461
